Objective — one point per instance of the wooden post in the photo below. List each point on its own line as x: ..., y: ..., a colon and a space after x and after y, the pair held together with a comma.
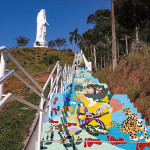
x: 95, y: 65
x: 127, y: 51
x: 114, y: 49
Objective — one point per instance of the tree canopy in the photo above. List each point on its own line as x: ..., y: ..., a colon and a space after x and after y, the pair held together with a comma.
x: 132, y: 28
x: 74, y: 36
x: 51, y: 44
x: 132, y: 13
x: 22, y: 41
x: 60, y: 42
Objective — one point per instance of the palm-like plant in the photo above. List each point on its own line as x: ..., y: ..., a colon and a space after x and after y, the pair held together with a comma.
x: 74, y: 36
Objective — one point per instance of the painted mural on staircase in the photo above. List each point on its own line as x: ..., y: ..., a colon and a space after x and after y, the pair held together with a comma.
x: 87, y: 116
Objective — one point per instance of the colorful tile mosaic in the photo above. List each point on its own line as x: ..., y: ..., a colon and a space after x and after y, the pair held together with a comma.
x: 87, y: 116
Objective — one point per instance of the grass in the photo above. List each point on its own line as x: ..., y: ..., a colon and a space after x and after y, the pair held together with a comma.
x: 132, y: 77
x: 32, y: 59
x: 134, y: 93
x: 15, y: 117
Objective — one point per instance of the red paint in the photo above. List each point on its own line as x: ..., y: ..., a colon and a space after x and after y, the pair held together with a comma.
x: 89, y: 92
x: 88, y: 142
x: 52, y: 121
x: 55, y: 100
x: 101, y: 92
x: 116, y: 143
x: 55, y: 110
x: 87, y: 119
x: 71, y: 124
x: 141, y: 146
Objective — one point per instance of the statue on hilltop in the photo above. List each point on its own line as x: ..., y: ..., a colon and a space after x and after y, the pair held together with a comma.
x: 41, y: 30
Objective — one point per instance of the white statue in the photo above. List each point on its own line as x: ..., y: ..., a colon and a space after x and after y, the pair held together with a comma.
x: 41, y: 30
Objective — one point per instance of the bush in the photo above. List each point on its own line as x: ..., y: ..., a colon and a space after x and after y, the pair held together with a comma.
x: 68, y: 50
x: 50, y: 59
x: 134, y: 93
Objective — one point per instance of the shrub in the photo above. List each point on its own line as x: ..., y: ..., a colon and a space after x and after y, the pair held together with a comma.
x: 50, y: 59
x: 134, y: 93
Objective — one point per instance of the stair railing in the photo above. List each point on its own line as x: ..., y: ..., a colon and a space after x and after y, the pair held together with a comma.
x: 3, y: 77
x: 87, y: 64
x: 56, y: 73
x: 52, y: 82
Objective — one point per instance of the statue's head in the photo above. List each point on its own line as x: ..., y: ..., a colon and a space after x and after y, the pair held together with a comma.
x: 42, y: 11
x: 41, y: 16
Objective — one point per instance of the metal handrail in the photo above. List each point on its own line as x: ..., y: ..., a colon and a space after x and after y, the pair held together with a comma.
x: 5, y: 77
x: 5, y: 99
x: 15, y: 61
x: 27, y: 103
x: 87, y: 64
x: 29, y: 85
x: 2, y: 49
x: 47, y: 82
x: 64, y: 74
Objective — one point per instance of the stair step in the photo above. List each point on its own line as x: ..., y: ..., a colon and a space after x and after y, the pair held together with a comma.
x: 72, y: 109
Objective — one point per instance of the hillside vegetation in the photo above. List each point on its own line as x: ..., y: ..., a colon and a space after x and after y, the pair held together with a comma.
x: 32, y: 58
x: 132, y: 77
x: 16, y: 118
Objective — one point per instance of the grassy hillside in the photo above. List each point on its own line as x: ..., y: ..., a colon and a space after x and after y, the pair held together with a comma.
x: 132, y: 77
x: 32, y: 58
x: 15, y: 117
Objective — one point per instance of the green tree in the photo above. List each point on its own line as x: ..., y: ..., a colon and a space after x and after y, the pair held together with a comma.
x: 102, y: 20
x: 78, y: 88
x: 60, y: 42
x: 131, y: 14
x: 51, y: 44
x: 22, y: 41
x: 74, y: 36
x: 96, y: 87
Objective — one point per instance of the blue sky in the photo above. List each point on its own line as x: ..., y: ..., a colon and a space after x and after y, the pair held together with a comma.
x: 18, y: 17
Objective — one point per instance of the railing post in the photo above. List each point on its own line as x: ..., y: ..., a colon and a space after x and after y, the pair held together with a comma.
x: 51, y: 88
x: 58, y: 69
x: 61, y: 84
x: 2, y: 70
x: 40, y: 122
x: 51, y: 82
x: 67, y: 75
x: 62, y: 80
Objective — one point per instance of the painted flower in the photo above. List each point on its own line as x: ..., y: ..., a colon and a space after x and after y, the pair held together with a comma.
x: 72, y: 131
x: 62, y: 127
x: 78, y: 136
x: 57, y: 127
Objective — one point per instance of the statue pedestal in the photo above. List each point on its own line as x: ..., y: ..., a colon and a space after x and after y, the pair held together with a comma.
x: 40, y: 44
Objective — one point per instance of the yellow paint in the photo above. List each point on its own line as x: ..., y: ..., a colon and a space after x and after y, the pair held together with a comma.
x: 71, y: 133
x: 78, y: 136
x: 105, y: 99
x: 82, y: 110
x: 80, y: 82
x: 82, y: 117
x: 106, y: 119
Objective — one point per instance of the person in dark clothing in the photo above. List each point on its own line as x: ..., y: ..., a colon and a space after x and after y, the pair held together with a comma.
x: 75, y: 66
x: 84, y: 66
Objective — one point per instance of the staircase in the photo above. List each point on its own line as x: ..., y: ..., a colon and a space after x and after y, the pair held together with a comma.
x: 87, y: 116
